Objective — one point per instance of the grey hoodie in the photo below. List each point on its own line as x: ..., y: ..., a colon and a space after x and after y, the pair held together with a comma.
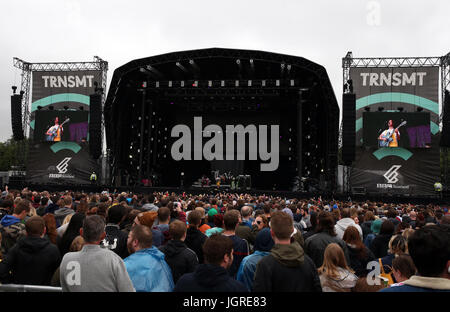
x: 62, y: 213
x: 343, y: 224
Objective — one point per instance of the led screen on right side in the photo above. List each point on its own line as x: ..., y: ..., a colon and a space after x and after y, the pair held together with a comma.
x: 396, y: 129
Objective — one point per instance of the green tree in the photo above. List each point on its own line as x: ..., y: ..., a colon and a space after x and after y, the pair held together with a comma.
x: 12, y: 153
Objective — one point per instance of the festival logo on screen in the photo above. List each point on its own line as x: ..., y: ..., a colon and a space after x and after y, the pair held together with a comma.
x: 392, y: 177
x: 62, y: 169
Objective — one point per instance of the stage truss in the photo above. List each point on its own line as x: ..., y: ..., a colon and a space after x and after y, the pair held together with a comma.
x: 27, y: 68
x: 443, y: 62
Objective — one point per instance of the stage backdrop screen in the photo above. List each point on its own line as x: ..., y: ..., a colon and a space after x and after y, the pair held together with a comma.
x: 395, y: 129
x: 408, y: 95
x: 57, y: 126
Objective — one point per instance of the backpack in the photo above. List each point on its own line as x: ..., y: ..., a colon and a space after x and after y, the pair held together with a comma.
x: 388, y: 276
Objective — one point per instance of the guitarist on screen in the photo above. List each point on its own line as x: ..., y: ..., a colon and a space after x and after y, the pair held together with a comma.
x: 54, y: 133
x: 389, y: 137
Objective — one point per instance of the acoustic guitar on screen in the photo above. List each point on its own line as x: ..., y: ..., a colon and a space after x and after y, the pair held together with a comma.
x: 54, y: 133
x: 390, y: 135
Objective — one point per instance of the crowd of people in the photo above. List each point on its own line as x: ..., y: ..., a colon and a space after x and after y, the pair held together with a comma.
x: 223, y: 242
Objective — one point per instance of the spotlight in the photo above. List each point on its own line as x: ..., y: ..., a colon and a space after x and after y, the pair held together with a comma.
x: 419, y: 109
x: 400, y: 109
x: 14, y: 88
x: 66, y: 107
x: 367, y: 109
x: 380, y: 108
x: 22, y: 93
x: 81, y: 108
x: 39, y: 107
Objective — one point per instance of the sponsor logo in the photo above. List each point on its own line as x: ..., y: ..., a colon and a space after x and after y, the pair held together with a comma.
x: 62, y: 170
x: 391, y: 175
x: 62, y: 166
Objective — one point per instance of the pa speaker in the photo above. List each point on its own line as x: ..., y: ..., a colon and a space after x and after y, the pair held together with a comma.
x: 348, y: 128
x: 95, y: 125
x: 16, y: 117
x: 445, y: 136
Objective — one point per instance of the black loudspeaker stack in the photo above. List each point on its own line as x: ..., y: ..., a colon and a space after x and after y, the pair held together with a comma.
x: 445, y: 136
x: 16, y: 117
x: 95, y: 125
x: 348, y: 128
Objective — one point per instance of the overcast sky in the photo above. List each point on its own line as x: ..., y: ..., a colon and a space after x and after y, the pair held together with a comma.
x: 119, y: 31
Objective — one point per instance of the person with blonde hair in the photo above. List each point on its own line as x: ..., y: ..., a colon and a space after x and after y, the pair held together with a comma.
x: 335, y: 275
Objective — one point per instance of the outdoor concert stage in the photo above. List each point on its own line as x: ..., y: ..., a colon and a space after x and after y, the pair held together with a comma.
x: 168, y: 119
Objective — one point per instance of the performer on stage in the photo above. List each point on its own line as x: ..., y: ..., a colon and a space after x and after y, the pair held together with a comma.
x: 390, y: 137
x: 54, y: 133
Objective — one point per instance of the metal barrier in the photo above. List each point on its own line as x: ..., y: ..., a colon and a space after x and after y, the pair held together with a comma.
x: 28, y: 288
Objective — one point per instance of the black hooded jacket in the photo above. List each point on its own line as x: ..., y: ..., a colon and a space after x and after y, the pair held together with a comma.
x: 180, y: 258
x: 209, y: 278
x: 195, y: 240
x: 32, y: 261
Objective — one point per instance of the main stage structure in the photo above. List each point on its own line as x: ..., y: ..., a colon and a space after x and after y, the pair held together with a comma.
x: 148, y: 97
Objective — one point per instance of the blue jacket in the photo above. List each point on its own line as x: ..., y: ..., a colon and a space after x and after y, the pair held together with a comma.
x: 149, y: 271
x: 8, y: 220
x: 247, y: 268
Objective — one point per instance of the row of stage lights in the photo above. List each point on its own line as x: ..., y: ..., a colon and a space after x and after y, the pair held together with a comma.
x: 400, y: 109
x: 221, y: 83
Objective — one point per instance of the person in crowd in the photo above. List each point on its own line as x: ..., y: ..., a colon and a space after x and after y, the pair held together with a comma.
x: 76, y: 245
x: 267, y: 210
x: 203, y: 225
x: 62, y: 229
x: 335, y: 274
x: 263, y: 245
x: 258, y: 224
x: 375, y: 230
x: 243, y: 229
x: 50, y: 228
x: 73, y: 230
x: 149, y: 203
x: 212, y: 276
x: 380, y: 243
x: 369, y: 217
x: 194, y: 237
x: 397, y: 246
x: 359, y: 254
x: 163, y: 223
x: 287, y: 268
x: 128, y: 221
x: 246, y: 213
x: 146, y: 266
x: 148, y: 218
x: 11, y: 226
x: 116, y: 240
x: 211, y: 213
x: 316, y: 244
x: 33, y: 259
x: 178, y: 256
x: 345, y: 222
x: 61, y: 213
x: 6, y: 208
x: 241, y: 249
x: 218, y: 225
x: 40, y: 210
x: 94, y: 269
x: 402, y: 268
x: 313, y: 228
x: 429, y: 250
